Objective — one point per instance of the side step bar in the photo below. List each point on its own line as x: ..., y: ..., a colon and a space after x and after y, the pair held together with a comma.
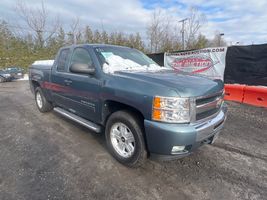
x: 78, y: 119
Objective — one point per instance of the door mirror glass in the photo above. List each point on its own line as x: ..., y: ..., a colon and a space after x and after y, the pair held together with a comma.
x: 81, y: 62
x: 82, y: 68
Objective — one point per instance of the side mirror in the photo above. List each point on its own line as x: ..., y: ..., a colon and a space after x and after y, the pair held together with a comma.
x: 82, y: 68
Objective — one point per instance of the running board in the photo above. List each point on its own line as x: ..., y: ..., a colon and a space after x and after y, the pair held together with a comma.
x: 78, y: 119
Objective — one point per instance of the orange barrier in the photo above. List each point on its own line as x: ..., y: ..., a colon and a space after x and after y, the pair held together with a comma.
x: 234, y: 92
x: 255, y: 95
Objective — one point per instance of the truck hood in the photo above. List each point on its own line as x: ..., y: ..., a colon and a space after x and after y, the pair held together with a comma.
x: 185, y: 85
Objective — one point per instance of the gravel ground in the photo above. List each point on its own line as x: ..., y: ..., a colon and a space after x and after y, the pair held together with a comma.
x: 44, y: 156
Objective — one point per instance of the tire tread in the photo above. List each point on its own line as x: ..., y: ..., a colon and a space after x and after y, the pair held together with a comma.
x: 47, y: 106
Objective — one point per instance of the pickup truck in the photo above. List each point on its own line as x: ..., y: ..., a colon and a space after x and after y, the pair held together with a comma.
x: 143, y: 109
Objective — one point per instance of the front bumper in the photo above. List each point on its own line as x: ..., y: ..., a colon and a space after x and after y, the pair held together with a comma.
x: 161, y: 137
x: 18, y: 75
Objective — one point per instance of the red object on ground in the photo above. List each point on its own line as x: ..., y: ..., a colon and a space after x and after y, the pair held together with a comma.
x: 255, y: 95
x: 234, y: 92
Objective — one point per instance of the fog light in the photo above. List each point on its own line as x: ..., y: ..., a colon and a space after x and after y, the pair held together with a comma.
x: 177, y: 149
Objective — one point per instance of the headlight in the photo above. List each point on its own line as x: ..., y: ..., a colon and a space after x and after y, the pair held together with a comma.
x: 171, y: 109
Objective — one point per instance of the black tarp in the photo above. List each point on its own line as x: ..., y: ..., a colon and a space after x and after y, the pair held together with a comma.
x: 157, y: 57
x: 246, y: 65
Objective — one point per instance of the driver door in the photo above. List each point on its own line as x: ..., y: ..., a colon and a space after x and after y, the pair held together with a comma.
x: 83, y: 94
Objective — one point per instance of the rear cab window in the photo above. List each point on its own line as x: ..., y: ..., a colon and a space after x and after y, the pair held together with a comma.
x: 63, y: 60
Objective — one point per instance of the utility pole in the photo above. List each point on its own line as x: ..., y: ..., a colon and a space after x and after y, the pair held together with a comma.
x: 220, y: 38
x: 182, y: 31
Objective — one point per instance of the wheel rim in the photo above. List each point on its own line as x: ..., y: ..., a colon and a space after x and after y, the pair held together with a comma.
x: 122, y: 140
x: 39, y: 100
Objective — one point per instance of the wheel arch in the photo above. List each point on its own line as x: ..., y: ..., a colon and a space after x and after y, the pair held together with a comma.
x: 35, y: 84
x: 111, y: 106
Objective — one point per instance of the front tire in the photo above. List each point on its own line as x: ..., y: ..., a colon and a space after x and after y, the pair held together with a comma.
x: 125, y: 138
x: 42, y: 104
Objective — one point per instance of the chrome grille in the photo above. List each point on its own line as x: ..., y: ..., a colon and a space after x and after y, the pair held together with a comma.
x: 208, y: 105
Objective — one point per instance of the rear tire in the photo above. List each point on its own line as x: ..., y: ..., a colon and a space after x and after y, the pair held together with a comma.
x: 125, y: 138
x: 42, y: 104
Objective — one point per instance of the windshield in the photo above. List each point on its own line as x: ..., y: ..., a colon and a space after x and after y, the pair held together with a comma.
x: 121, y: 58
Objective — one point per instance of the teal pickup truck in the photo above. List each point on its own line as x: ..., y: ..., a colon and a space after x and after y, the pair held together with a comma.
x: 143, y: 109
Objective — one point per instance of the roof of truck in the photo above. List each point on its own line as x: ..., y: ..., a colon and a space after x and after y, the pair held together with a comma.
x: 95, y: 45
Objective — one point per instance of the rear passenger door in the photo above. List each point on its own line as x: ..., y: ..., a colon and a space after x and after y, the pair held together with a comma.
x: 58, y: 86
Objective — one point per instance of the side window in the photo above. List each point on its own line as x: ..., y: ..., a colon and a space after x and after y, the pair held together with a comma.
x: 62, y: 60
x: 81, y: 56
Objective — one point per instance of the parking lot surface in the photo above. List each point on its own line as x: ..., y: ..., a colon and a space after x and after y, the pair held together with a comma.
x: 45, y: 156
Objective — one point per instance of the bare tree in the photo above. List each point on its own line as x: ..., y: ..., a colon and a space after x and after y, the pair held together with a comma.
x: 75, y: 32
x: 88, y: 34
x: 37, y: 20
x: 162, y: 33
x: 195, y: 21
x: 155, y: 31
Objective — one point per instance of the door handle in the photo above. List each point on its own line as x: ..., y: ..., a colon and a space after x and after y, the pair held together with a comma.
x: 68, y: 82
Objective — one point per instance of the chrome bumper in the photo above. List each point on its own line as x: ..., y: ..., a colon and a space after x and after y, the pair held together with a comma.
x: 212, y: 126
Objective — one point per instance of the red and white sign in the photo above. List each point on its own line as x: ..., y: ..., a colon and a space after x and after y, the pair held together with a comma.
x: 209, y: 62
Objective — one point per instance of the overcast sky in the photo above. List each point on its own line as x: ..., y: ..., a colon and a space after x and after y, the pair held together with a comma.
x: 243, y: 21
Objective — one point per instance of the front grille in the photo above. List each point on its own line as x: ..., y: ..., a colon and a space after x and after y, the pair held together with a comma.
x: 208, y: 106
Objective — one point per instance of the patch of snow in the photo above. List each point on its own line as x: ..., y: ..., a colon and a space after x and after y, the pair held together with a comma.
x: 25, y: 78
x: 117, y: 63
x: 43, y: 62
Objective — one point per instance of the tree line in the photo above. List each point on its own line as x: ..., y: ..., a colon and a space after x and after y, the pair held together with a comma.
x: 20, y: 46
x: 22, y: 51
